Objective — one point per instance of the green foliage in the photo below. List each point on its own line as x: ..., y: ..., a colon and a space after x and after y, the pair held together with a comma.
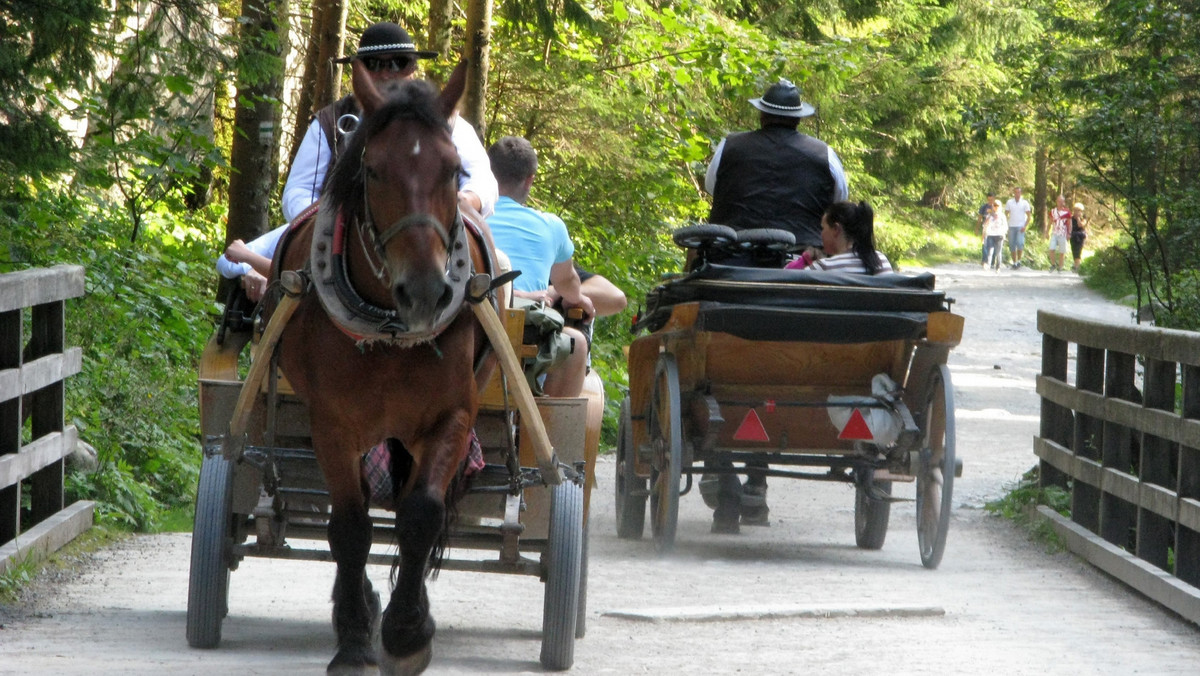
x: 140, y: 326
x: 45, y: 47
x: 1020, y: 506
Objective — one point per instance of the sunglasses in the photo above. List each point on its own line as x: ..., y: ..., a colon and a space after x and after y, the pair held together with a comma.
x: 395, y: 64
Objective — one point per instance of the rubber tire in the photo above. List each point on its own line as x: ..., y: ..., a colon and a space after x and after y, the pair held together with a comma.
x: 664, y: 479
x: 704, y: 234
x: 871, y: 516
x: 212, y: 536
x: 581, y: 614
x: 939, y: 412
x: 564, y: 562
x: 630, y: 488
x: 772, y: 239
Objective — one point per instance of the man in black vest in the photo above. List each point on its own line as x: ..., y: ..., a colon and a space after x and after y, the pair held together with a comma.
x: 774, y: 177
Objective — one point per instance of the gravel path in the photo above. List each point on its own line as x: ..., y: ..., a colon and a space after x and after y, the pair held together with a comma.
x: 795, y: 598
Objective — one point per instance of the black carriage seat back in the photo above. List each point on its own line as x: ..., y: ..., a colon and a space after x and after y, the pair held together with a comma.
x: 800, y: 305
x: 238, y: 316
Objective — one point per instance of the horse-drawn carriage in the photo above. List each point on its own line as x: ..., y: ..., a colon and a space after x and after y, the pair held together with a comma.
x: 270, y: 500
x: 799, y: 374
x: 383, y: 331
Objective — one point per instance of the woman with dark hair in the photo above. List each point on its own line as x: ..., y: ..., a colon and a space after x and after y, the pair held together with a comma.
x: 848, y: 238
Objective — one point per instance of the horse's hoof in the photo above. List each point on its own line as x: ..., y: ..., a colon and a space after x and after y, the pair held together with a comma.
x: 406, y: 666
x: 406, y: 637
x: 357, y: 661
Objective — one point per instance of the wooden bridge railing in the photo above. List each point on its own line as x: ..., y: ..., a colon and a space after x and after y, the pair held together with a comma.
x: 33, y: 440
x: 1124, y: 439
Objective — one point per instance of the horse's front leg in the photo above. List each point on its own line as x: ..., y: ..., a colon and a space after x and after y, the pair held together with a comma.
x: 408, y: 627
x: 355, y: 603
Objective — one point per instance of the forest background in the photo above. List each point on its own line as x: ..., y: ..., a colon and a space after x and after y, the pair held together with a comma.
x: 136, y: 139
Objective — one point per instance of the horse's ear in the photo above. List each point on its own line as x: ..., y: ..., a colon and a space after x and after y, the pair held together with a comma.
x: 453, y: 90
x: 365, y: 92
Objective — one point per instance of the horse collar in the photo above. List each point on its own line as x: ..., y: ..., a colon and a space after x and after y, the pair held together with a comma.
x: 362, y: 320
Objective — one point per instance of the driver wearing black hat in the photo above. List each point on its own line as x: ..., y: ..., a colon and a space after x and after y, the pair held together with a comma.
x: 389, y: 54
x: 775, y: 177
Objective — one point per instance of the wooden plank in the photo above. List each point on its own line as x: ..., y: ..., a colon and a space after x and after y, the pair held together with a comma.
x: 1088, y: 471
x: 1057, y: 455
x: 40, y: 285
x: 1159, y: 500
x: 1162, y: 424
x: 944, y: 328
x: 34, y: 456
x: 1157, y: 584
x: 1121, y: 484
x: 40, y: 373
x: 48, y: 536
x: 733, y: 360
x: 1153, y: 342
x: 1189, y: 514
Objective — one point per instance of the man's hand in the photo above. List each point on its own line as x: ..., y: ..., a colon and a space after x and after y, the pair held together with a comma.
x: 236, y: 252
x: 254, y: 284
x: 544, y: 296
x: 582, y: 302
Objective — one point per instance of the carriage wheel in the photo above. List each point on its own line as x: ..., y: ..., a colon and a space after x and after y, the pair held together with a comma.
x: 935, y: 476
x: 871, y: 514
x: 564, y: 554
x: 666, y: 432
x: 581, y: 614
x: 208, y: 580
x: 701, y: 234
x: 630, y: 488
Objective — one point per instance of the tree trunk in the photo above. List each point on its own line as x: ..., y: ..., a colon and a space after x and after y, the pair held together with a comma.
x: 322, y: 80
x: 1039, y: 187
x: 252, y: 158
x: 479, y: 36
x: 439, y: 27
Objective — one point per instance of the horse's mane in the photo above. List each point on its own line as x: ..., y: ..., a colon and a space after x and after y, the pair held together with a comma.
x: 409, y: 100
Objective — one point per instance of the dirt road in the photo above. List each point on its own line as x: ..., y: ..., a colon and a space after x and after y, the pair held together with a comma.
x: 794, y: 598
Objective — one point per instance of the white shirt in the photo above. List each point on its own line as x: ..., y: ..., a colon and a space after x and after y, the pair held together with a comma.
x: 264, y: 245
x: 850, y: 262
x: 840, y: 191
x: 1018, y: 212
x: 304, y: 181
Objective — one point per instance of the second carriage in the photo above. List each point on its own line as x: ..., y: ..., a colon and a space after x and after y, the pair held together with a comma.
x: 797, y: 374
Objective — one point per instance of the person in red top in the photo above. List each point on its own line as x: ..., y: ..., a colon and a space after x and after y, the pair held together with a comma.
x: 1060, y: 228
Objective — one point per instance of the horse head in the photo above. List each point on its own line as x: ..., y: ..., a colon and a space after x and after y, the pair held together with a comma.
x: 398, y: 183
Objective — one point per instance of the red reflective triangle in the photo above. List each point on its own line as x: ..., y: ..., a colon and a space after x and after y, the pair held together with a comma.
x: 856, y: 428
x: 751, y: 428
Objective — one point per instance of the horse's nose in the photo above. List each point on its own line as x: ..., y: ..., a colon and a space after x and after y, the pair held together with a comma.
x: 422, y: 300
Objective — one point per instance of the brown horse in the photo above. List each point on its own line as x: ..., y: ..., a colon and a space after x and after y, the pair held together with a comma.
x: 415, y: 380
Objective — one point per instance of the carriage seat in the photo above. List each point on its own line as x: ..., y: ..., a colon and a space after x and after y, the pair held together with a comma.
x: 799, y: 305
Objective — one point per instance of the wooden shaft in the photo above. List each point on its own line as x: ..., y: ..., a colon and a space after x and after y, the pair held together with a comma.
x: 235, y: 438
x: 531, y: 419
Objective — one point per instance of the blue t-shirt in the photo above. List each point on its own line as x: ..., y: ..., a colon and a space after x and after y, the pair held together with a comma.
x: 533, y: 240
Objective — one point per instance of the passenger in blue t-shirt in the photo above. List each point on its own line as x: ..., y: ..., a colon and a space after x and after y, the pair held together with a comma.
x: 538, y: 245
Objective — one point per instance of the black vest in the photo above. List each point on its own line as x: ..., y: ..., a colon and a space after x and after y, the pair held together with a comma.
x: 774, y: 177
x: 327, y: 117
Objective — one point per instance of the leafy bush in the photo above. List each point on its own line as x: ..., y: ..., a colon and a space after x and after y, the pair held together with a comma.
x: 1020, y: 506
x: 141, y: 325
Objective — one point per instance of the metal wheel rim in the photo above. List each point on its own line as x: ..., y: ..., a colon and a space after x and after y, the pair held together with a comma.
x: 935, y: 479
x: 666, y: 430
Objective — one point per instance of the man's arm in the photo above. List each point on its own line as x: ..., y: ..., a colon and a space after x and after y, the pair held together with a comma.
x: 566, y: 284
x: 841, y: 191
x: 606, y: 297
x: 239, y: 263
x: 710, y: 176
x: 307, y: 174
x: 478, y: 182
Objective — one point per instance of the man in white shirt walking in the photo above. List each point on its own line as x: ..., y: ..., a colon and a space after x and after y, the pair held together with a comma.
x: 1018, y: 210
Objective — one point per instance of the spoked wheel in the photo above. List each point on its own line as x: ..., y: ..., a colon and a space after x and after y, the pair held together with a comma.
x: 564, y: 554
x: 935, y: 475
x: 666, y: 432
x: 871, y: 514
x: 212, y: 537
x: 631, y: 488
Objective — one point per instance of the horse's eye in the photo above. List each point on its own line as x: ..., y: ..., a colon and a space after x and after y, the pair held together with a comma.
x: 370, y: 172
